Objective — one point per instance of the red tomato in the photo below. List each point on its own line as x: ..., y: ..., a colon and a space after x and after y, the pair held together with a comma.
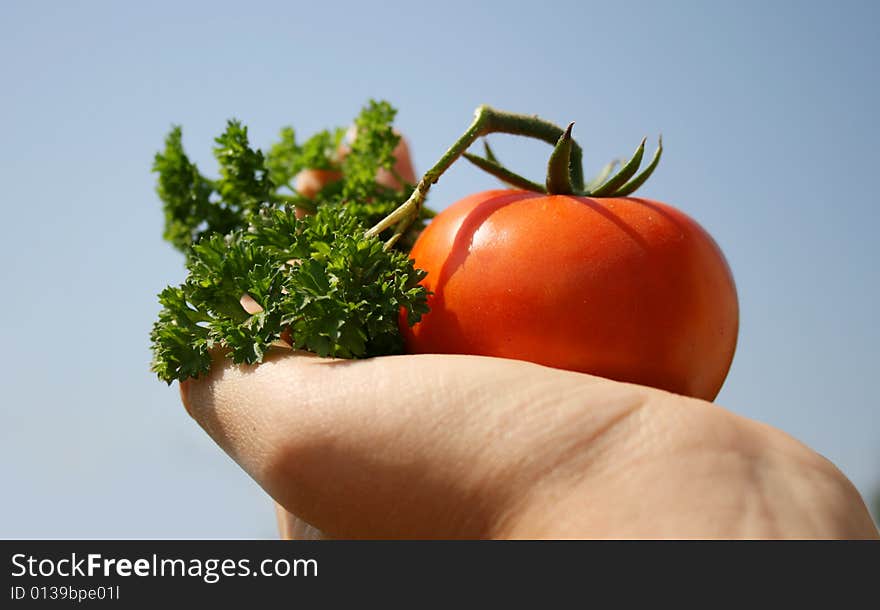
x: 624, y: 288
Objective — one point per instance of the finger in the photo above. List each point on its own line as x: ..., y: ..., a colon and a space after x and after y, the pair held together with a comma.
x: 403, y: 164
x: 291, y: 527
x: 424, y: 446
x: 309, y: 182
x: 403, y: 167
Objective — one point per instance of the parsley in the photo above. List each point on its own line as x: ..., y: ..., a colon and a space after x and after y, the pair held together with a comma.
x: 190, y: 210
x: 373, y: 148
x: 244, y: 180
x: 322, y: 284
x: 286, y: 158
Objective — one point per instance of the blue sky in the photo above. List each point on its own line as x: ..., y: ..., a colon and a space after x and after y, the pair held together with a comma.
x: 768, y: 117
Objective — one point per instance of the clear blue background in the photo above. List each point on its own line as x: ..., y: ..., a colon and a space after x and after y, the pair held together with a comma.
x: 768, y: 112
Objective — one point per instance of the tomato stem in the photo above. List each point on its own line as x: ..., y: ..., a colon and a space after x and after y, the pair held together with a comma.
x: 486, y: 120
x: 564, y: 170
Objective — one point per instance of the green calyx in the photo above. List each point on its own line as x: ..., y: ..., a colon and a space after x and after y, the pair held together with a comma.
x: 564, y: 171
x: 565, y: 174
x: 558, y: 179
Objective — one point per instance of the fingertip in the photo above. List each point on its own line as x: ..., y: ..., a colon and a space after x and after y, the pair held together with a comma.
x: 185, y: 396
x: 404, y: 165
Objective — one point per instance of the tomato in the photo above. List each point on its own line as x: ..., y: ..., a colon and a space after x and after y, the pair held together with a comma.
x: 624, y: 288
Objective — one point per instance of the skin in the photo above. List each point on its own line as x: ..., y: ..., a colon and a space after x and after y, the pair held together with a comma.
x: 625, y: 288
x: 447, y: 446
x: 309, y: 182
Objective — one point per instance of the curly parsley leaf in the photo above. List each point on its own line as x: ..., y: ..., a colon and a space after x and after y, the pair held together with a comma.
x: 244, y: 181
x: 196, y: 206
x: 286, y: 158
x: 190, y: 210
x: 372, y: 149
x: 322, y: 286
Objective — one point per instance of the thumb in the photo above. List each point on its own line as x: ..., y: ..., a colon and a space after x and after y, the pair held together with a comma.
x: 405, y: 446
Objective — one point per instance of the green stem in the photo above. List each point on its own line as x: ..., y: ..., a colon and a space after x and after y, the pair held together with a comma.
x: 486, y: 120
x: 534, y: 127
x: 398, y: 233
x: 490, y: 154
x: 510, y: 178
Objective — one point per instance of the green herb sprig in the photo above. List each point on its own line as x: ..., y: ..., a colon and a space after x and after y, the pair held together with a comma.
x: 259, y: 275
x: 320, y: 283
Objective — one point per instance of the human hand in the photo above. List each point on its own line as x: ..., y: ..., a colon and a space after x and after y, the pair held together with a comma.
x: 310, y: 181
x: 441, y: 446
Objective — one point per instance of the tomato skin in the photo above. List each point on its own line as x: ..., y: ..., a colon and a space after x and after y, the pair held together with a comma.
x: 624, y: 288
